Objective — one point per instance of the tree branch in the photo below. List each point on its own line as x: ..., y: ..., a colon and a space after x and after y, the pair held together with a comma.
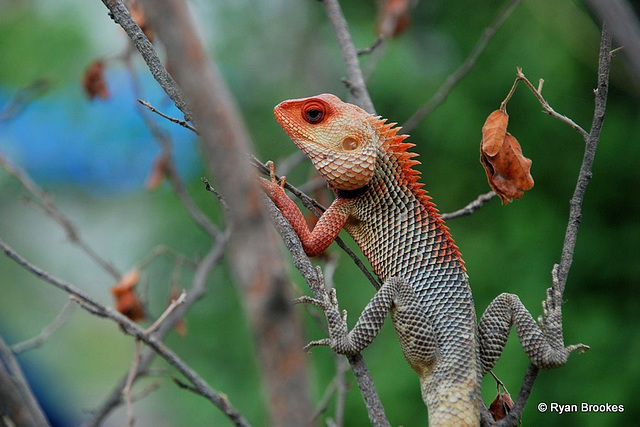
x: 451, y: 81
x: 314, y: 281
x: 356, y: 83
x: 50, y: 208
x: 121, y: 16
x: 471, y: 207
x: 133, y: 329
x: 18, y: 406
x: 575, y: 212
x: 254, y: 256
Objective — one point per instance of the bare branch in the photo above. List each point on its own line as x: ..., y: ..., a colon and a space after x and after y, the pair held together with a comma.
x: 129, y: 384
x: 121, y: 15
x: 180, y: 122
x: 356, y: 83
x: 19, y: 406
x: 537, y: 91
x: 591, y: 140
x: 170, y: 309
x: 133, y: 329
x: 575, y: 212
x: 376, y: 44
x: 624, y: 26
x: 314, y: 280
x: 24, y: 97
x: 471, y: 207
x: 49, y: 207
x: 444, y: 90
x: 36, y: 342
x: 195, y: 292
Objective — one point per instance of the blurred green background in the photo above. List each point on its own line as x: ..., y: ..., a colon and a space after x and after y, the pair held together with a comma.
x: 93, y: 158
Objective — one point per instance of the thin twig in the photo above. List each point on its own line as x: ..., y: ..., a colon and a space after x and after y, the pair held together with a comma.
x: 471, y: 207
x: 133, y: 329
x: 575, y: 211
x: 170, y: 309
x: 195, y: 292
x: 50, y: 208
x: 180, y: 122
x: 129, y: 384
x: 545, y: 105
x: 47, y: 332
x: 169, y: 167
x: 120, y: 14
x: 24, y: 97
x: 376, y: 43
x: 314, y: 281
x: 451, y: 81
x: 591, y: 144
x: 19, y: 406
x: 356, y: 83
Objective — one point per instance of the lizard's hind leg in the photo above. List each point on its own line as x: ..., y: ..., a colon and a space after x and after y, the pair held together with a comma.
x: 543, y: 342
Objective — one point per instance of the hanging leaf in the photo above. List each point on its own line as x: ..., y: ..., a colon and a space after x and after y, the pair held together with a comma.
x: 127, y: 301
x: 159, y: 171
x: 393, y: 17
x: 93, y: 81
x: 501, y: 406
x: 181, y: 325
x: 508, y: 171
x: 138, y: 15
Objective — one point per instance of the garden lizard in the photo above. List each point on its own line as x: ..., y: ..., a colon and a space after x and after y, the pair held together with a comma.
x: 381, y: 204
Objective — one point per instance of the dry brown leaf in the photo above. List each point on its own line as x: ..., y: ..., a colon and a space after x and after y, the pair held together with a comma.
x: 181, y: 325
x: 508, y: 171
x: 93, y: 81
x: 127, y: 301
x: 493, y: 132
x: 393, y: 17
x: 159, y: 171
x: 138, y: 15
x: 501, y: 406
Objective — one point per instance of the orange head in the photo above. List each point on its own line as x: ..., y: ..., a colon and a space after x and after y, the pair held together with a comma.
x: 339, y: 138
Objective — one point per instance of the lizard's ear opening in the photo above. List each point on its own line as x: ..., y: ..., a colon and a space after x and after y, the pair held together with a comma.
x: 350, y: 144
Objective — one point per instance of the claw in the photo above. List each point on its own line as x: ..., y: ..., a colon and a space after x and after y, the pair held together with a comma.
x: 305, y: 299
x: 324, y: 341
x: 272, y: 174
x: 583, y: 348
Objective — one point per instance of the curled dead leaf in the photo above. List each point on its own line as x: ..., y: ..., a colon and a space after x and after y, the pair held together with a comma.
x: 138, y: 15
x: 508, y: 171
x: 181, y: 325
x: 159, y: 171
x: 127, y: 301
x: 93, y: 81
x: 494, y: 131
x: 501, y: 406
x: 393, y: 17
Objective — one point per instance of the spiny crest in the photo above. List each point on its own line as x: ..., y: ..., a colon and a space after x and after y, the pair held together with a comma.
x: 396, y: 146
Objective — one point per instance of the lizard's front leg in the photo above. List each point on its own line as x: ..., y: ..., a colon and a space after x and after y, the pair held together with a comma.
x: 326, y: 229
x: 543, y: 342
x: 394, y: 293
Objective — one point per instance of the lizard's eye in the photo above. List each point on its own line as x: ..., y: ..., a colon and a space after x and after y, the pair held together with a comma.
x: 313, y: 112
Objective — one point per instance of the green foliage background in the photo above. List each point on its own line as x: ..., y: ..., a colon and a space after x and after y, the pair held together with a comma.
x: 273, y: 51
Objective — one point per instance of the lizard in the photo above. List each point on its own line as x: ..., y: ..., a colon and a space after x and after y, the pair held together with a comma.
x: 383, y: 206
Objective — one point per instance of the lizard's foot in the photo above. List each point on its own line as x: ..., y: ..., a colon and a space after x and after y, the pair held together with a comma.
x: 337, y: 322
x: 272, y: 174
x: 551, y: 320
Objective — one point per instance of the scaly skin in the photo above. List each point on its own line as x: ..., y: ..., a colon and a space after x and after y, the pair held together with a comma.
x: 382, y: 206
